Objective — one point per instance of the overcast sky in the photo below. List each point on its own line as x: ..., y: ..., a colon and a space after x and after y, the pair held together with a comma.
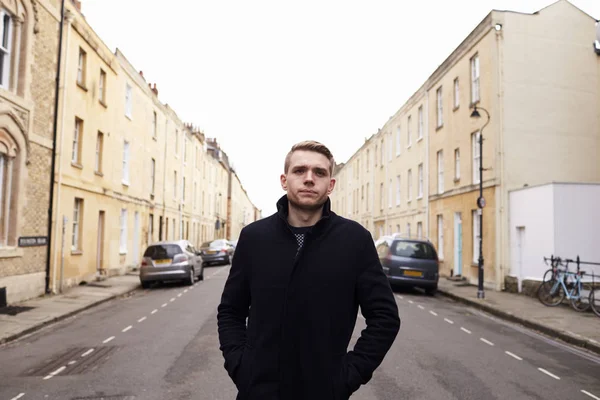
x: 262, y: 75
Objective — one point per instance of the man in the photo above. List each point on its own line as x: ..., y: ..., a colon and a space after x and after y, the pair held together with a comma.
x: 299, y: 277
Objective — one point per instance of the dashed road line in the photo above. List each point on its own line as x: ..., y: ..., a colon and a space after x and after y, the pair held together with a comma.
x: 590, y: 395
x: 164, y: 305
x: 52, y: 374
x: 87, y: 353
x: 449, y: 321
x: 108, y: 339
x: 433, y: 313
x: 172, y: 299
x: 411, y: 302
x: 465, y: 330
x: 400, y: 297
x: 549, y: 374
x: 179, y: 295
x: 421, y: 307
x: 18, y: 396
x: 126, y: 329
x: 141, y: 320
x: 185, y: 291
x: 514, y: 355
x: 154, y: 311
x: 484, y: 340
x: 71, y: 362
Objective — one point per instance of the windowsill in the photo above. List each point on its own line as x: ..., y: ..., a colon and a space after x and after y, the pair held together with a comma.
x: 122, y: 252
x: 456, y: 180
x: 419, y: 139
x: 11, y: 252
x: 102, y: 103
x: 456, y: 108
x: 439, y: 127
x: 128, y: 117
x: 155, y: 138
x: 474, y: 264
x: 420, y: 197
x: 125, y: 183
x: 76, y: 165
x: 409, y: 146
x: 151, y: 196
x: 440, y: 193
x: 82, y: 86
x: 99, y: 173
x: 76, y: 252
x: 474, y: 103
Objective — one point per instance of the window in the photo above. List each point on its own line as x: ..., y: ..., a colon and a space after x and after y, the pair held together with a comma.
x: 8, y: 196
x: 125, y: 178
x: 456, y: 164
x: 152, y: 175
x: 440, y: 236
x: 398, y: 228
x: 382, y: 152
x: 440, y: 165
x: 420, y: 128
x: 419, y: 230
x: 194, y: 194
x: 5, y: 48
x: 185, y: 147
x: 409, y: 185
x: 440, y: 108
x: 368, y: 195
x: 81, y: 64
x: 123, y: 232
x: 102, y: 87
x: 390, y: 150
x: 475, y: 137
x: 456, y: 94
x: 128, y: 100
x: 76, y: 238
x: 420, y: 181
x: 151, y: 229
x: 398, y: 183
x: 76, y: 150
x: 408, y: 126
x: 175, y: 184
x: 381, y: 196
x: 390, y: 194
x: 154, y: 124
x: 408, y: 229
x: 368, y: 160
x: 183, y: 190
x: 375, y: 156
x: 177, y: 141
x: 475, y: 79
x: 99, y: 151
x: 398, y: 140
x: 475, y: 216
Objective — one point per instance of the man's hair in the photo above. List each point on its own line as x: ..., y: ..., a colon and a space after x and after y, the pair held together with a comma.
x: 310, y: 145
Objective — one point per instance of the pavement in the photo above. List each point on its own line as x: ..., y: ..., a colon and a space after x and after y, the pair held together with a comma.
x: 580, y: 329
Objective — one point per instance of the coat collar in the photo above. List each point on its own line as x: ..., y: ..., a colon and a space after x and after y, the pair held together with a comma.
x: 283, y: 211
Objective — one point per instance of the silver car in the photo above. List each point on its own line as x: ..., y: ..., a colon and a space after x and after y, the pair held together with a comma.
x: 218, y: 251
x: 171, y: 261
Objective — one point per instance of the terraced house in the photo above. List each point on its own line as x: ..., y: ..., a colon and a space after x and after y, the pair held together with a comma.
x: 537, y: 76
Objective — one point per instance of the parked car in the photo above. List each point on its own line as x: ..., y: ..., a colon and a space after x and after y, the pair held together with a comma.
x: 171, y: 261
x: 218, y: 251
x: 410, y: 262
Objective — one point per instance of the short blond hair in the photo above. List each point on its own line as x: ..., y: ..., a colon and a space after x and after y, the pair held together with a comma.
x: 310, y: 145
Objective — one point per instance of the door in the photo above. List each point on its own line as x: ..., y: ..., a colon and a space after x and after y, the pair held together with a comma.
x: 136, y: 238
x: 100, y: 243
x: 458, y: 260
x: 520, y: 250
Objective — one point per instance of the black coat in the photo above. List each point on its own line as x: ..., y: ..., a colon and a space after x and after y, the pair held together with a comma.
x: 302, y: 309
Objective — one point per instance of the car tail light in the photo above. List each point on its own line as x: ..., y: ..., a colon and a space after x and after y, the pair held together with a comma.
x: 179, y: 258
x: 144, y: 263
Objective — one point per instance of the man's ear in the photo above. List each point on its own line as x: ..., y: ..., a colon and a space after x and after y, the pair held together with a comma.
x: 331, y: 186
x: 283, y: 179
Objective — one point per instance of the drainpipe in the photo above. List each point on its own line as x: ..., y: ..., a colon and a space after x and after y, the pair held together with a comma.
x: 54, y: 133
x: 427, y: 162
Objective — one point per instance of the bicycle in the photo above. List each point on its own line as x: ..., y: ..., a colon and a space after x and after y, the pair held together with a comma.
x: 594, y: 299
x: 560, y: 283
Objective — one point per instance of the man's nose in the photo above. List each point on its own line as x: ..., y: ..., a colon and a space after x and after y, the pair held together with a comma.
x: 309, y: 177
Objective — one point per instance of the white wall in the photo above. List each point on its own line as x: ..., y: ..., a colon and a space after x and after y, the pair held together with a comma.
x: 531, y: 208
x: 577, y: 223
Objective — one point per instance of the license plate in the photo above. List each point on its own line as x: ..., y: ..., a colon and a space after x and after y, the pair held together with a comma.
x: 211, y: 252
x: 162, y: 262
x: 418, y: 274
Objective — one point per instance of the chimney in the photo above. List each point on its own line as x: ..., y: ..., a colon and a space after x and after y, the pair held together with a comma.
x: 142, y: 75
x: 155, y: 90
x: 77, y: 4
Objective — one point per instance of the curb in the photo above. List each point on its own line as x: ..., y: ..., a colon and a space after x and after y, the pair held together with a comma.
x: 41, y: 325
x: 550, y: 331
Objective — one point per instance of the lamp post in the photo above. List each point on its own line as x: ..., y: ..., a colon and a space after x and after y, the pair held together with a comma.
x: 480, y: 200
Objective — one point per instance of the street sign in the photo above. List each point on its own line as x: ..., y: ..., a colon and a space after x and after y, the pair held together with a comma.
x: 481, y: 202
x: 30, y: 241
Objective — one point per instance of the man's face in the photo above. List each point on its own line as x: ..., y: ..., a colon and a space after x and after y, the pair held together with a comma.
x: 308, y: 181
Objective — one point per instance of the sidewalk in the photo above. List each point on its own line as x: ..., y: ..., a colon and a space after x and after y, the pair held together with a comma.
x: 562, y: 322
x: 36, y: 313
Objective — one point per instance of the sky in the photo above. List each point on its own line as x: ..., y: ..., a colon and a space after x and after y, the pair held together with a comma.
x: 262, y: 75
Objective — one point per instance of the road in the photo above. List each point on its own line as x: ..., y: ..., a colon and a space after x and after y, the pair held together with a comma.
x: 162, y: 344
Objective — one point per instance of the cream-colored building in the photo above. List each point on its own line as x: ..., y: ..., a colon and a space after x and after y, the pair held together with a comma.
x: 539, y: 78
x: 129, y: 171
x: 242, y: 210
x: 28, y: 64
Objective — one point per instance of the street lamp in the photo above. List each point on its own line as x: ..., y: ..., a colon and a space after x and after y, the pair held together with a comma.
x: 480, y: 199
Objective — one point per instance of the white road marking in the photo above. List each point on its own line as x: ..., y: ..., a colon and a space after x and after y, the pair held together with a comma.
x: 583, y: 391
x: 549, y: 374
x: 217, y: 273
x: 421, y: 307
x: 109, y: 339
x: 433, y: 313
x: 173, y: 299
x: 465, y: 330
x: 18, y: 397
x: 71, y: 362
x: 411, y: 302
x: 154, y: 311
x: 448, y: 321
x: 514, y: 355
x: 128, y: 328
x: 87, y: 353
x: 179, y: 295
x: 164, y: 305
x: 400, y: 297
x: 192, y: 287
x: 58, y: 371
x: 185, y: 291
x: 140, y: 320
x: 486, y: 341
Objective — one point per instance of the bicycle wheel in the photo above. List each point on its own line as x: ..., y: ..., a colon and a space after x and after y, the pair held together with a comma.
x: 550, y: 292
x: 581, y: 297
x: 595, y: 301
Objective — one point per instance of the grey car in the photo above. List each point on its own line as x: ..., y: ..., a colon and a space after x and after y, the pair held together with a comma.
x: 171, y: 261
x: 410, y: 262
x: 218, y: 251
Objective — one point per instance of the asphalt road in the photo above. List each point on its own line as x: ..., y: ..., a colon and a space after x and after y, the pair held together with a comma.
x: 162, y: 344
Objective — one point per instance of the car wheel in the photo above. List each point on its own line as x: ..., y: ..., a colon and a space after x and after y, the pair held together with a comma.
x: 192, y: 278
x: 145, y: 285
x: 201, y: 277
x: 431, y: 291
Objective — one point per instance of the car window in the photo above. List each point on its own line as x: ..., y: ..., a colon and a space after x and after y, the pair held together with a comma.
x: 423, y: 251
x: 382, y: 249
x: 206, y: 244
x: 162, y: 251
x: 218, y: 243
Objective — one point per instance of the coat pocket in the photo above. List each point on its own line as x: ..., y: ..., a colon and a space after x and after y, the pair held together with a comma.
x: 244, y: 371
x: 339, y: 375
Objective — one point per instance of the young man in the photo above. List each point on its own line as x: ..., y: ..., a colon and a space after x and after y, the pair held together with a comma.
x: 299, y: 277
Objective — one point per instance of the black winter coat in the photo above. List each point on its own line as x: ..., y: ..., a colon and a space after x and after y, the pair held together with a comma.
x: 302, y: 308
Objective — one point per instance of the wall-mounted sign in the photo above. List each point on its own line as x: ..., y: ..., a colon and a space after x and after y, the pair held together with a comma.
x: 30, y: 241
